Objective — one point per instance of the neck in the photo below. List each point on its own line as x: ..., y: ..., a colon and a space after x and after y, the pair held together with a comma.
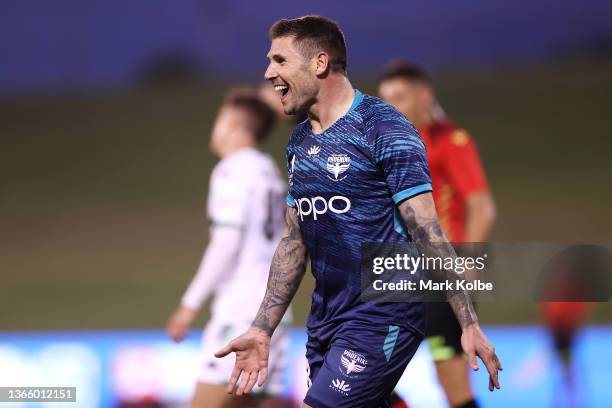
x: 334, y: 99
x: 424, y: 121
x: 233, y: 148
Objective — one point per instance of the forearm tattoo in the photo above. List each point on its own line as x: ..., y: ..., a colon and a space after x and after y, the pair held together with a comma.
x: 286, y: 273
x: 424, y: 227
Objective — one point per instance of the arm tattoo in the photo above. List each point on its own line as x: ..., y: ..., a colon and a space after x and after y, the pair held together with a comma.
x: 422, y: 223
x: 286, y: 273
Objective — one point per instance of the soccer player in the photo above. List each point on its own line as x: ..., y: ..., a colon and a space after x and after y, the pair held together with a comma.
x: 564, y: 320
x: 352, y: 166
x: 245, y: 207
x: 569, y: 280
x: 463, y: 201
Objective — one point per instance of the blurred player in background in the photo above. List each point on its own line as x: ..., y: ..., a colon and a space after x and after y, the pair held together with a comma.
x: 564, y: 320
x: 245, y: 207
x: 463, y: 201
x: 568, y: 284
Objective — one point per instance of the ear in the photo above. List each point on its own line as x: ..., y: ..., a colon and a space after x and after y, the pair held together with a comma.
x: 320, y: 63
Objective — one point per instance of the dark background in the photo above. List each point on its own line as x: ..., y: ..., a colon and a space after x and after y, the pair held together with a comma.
x: 106, y: 109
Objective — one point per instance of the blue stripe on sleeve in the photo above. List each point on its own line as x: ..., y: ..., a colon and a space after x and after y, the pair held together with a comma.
x: 409, y: 192
x: 290, y: 200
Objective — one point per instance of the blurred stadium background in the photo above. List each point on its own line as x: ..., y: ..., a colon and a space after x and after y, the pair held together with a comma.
x: 105, y: 113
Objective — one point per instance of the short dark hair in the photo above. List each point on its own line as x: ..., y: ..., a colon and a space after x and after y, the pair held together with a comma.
x: 407, y: 71
x: 315, y: 33
x: 261, y: 117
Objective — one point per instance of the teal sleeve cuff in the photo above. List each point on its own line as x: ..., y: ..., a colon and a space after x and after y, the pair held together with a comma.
x: 410, y: 192
x: 290, y: 200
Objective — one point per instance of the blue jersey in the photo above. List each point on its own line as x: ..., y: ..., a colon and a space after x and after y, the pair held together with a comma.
x: 346, y: 183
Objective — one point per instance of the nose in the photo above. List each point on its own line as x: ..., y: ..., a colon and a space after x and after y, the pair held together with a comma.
x: 270, y: 73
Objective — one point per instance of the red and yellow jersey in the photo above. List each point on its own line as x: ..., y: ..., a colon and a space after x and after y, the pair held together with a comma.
x: 456, y: 172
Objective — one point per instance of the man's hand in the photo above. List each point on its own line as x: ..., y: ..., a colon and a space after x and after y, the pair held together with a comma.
x: 475, y: 343
x: 179, y: 323
x: 252, y: 350
x: 421, y: 220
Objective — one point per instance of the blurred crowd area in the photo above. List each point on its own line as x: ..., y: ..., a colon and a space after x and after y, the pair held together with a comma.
x: 106, y: 110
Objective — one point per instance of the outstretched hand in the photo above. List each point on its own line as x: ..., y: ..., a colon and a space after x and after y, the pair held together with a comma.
x: 475, y: 343
x: 252, y: 350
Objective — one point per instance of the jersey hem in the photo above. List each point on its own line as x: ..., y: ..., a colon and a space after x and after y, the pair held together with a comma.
x: 311, y: 330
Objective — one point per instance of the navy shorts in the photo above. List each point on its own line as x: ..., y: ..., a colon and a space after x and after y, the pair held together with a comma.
x: 359, y: 366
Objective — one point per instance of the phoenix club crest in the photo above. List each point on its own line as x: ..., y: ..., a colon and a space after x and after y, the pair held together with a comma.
x: 353, y: 362
x: 337, y: 165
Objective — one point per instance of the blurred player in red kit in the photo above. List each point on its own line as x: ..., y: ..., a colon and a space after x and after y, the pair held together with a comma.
x: 463, y: 201
x: 568, y: 284
x: 564, y: 320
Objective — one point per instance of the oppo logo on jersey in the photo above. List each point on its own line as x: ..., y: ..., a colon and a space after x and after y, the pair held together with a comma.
x: 318, y: 205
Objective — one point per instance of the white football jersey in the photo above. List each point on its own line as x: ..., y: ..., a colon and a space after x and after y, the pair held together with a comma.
x: 247, y: 192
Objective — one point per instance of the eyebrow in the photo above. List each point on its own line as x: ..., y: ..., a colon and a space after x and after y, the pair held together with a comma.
x: 276, y: 56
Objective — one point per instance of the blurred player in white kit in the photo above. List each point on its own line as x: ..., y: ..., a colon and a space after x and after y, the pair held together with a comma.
x: 246, y: 201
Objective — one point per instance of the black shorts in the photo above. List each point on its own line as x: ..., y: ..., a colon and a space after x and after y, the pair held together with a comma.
x: 563, y: 340
x: 443, y: 332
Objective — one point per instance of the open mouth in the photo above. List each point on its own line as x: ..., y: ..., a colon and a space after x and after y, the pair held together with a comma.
x: 281, y: 89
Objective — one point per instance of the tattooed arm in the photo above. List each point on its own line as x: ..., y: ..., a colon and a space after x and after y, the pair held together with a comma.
x: 421, y: 220
x: 253, y: 347
x: 286, y: 273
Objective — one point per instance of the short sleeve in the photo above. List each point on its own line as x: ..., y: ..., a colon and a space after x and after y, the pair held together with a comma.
x: 462, y: 163
x: 228, y: 199
x: 400, y: 153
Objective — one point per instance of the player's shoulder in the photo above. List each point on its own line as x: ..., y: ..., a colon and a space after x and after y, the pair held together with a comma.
x: 374, y: 111
x: 380, y: 119
x: 299, y: 132
x: 460, y: 137
x: 244, y: 163
x: 258, y: 163
x: 447, y: 132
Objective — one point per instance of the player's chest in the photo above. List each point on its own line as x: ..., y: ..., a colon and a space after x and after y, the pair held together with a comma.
x: 317, y: 165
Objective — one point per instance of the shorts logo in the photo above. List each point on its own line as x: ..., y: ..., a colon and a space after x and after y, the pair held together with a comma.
x: 352, y: 362
x: 341, y: 386
x: 337, y: 165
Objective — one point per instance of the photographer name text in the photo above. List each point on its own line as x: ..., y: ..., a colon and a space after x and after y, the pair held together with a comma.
x: 430, y: 285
